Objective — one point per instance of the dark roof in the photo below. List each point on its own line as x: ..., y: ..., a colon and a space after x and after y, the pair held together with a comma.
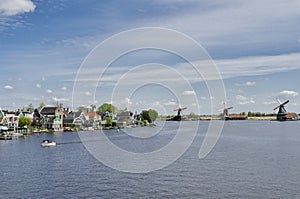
x: 47, y: 110
x: 36, y: 113
x: 68, y: 121
x: 9, y: 112
x: 125, y: 113
x: 73, y: 115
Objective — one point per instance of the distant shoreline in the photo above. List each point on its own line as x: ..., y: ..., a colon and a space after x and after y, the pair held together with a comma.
x: 267, y: 118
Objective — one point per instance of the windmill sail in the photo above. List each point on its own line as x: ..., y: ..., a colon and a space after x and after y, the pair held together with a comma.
x: 281, y: 115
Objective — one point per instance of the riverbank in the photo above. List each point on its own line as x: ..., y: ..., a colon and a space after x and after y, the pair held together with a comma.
x: 219, y: 118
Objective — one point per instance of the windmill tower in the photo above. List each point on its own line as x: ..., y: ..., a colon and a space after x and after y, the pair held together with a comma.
x: 179, y: 110
x: 225, y: 112
x: 281, y: 115
x: 179, y: 115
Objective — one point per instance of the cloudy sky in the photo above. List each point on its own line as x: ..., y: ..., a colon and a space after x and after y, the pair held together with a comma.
x: 255, y: 45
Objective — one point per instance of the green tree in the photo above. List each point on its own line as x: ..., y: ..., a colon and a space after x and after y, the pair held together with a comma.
x: 107, y: 108
x: 153, y: 115
x: 149, y: 115
x: 42, y: 105
x: 81, y: 109
x: 24, y: 121
x: 109, y: 121
x: 93, y: 107
x: 28, y: 108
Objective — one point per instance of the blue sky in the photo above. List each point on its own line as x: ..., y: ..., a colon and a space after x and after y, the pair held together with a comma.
x: 255, y: 44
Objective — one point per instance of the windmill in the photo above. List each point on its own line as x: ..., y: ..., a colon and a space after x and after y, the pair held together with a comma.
x: 225, y: 112
x: 179, y: 115
x: 179, y: 110
x: 281, y: 115
x: 226, y: 116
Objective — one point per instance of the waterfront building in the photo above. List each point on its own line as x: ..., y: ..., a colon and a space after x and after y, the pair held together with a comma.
x: 125, y: 118
x: 52, y: 118
x: 94, y: 119
x: 77, y: 119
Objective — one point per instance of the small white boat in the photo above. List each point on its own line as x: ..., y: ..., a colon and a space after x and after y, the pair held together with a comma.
x: 48, y: 143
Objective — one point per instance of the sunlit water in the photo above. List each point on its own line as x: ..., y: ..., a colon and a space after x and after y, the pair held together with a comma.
x: 252, y: 159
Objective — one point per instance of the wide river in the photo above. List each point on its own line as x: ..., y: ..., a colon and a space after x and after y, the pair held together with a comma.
x: 252, y: 159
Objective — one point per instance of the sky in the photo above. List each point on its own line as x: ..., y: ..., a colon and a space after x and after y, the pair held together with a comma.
x: 254, y: 44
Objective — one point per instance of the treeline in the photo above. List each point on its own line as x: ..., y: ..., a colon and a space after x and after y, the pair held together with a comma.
x: 258, y: 114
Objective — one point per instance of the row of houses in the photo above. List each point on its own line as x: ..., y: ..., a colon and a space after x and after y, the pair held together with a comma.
x: 56, y: 118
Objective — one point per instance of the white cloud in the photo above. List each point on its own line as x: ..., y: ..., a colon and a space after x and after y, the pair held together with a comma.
x: 242, y: 100
x: 246, y: 84
x: 254, y: 65
x: 60, y: 99
x: 222, y: 25
x: 80, y: 42
x: 48, y: 91
x: 64, y: 88
x: 258, y: 65
x: 270, y: 102
x: 188, y: 93
x: 236, y: 67
x: 250, y: 83
x: 287, y: 94
x: 87, y: 93
x: 38, y: 85
x: 15, y: 7
x: 240, y: 97
x: 8, y: 87
x: 171, y: 103
x: 126, y: 101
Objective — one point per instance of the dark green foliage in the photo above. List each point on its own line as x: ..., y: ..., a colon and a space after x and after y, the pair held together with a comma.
x: 109, y: 122
x: 149, y: 115
x: 24, y: 121
x: 106, y: 108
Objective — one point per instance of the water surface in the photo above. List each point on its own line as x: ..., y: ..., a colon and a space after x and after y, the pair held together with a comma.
x: 252, y: 159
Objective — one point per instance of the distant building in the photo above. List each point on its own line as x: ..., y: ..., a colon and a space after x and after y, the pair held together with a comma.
x: 75, y: 118
x: 94, y: 119
x: 236, y: 117
x: 291, y: 116
x: 37, y: 118
x: 125, y: 118
x: 107, y: 115
x: 12, y: 120
x: 3, y: 126
x: 52, y: 118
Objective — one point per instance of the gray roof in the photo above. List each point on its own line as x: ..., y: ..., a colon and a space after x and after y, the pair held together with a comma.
x: 73, y: 114
x: 70, y: 117
x: 48, y: 110
x: 125, y: 113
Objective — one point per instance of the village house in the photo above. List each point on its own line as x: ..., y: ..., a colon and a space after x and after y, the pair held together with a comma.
x: 94, y: 119
x: 52, y: 118
x: 12, y: 120
x: 76, y: 119
x: 3, y: 126
x: 125, y: 118
x: 37, y: 118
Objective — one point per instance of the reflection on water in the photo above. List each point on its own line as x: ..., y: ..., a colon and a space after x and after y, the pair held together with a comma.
x: 252, y: 159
